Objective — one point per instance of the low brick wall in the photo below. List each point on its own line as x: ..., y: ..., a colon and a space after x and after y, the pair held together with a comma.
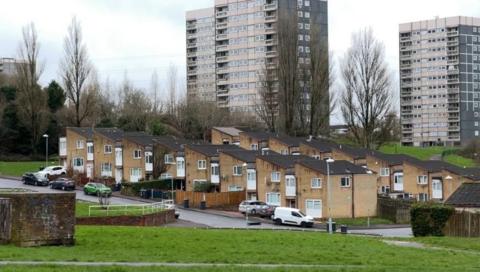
x: 6, y: 220
x: 148, y: 220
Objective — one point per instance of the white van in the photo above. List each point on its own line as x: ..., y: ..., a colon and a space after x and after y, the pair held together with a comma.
x: 292, y: 216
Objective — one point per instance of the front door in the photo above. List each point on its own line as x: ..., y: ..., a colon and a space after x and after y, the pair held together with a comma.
x: 437, y: 190
x: 215, y: 173
x: 313, y: 208
x: 89, y: 170
x: 180, y: 167
x: 398, y: 182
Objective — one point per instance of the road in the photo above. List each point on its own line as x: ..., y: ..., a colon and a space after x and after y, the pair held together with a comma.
x: 194, y: 218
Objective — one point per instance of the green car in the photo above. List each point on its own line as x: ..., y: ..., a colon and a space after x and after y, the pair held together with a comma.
x: 94, y: 188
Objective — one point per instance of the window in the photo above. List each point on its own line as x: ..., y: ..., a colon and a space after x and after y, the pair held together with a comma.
x: 107, y: 149
x: 137, y: 154
x: 90, y: 148
x: 148, y: 157
x: 317, y: 157
x: 284, y: 152
x: 345, y: 182
x: 202, y: 164
x: 275, y: 177
x: 273, y: 199
x: 254, y: 146
x: 135, y: 172
x: 106, y: 169
x: 77, y: 162
x: 422, y: 197
x: 235, y: 188
x: 316, y: 183
x: 422, y: 179
x: 237, y: 170
x: 80, y: 144
x: 168, y: 158
x: 384, y: 172
x: 165, y: 176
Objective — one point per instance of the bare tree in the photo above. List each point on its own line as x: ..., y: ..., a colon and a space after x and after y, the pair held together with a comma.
x: 31, y: 100
x: 366, y: 98
x: 134, y: 108
x: 172, y: 85
x: 75, y: 71
x: 154, y: 87
x: 267, y: 102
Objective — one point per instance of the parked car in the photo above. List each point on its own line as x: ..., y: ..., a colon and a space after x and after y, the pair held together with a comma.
x: 63, y: 184
x: 55, y: 170
x: 34, y: 179
x: 94, y: 188
x: 255, y: 207
x: 292, y: 216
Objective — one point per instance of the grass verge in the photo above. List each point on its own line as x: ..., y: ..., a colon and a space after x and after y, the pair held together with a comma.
x: 17, y: 169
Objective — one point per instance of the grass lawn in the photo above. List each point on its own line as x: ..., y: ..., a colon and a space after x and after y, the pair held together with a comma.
x: 452, y: 242
x: 81, y: 210
x: 17, y: 169
x: 460, y: 161
x: 139, y: 244
x: 361, y: 221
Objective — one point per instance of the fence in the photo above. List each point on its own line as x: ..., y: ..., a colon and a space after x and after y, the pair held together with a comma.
x: 463, y: 224
x: 212, y: 200
x: 395, y: 210
x: 126, y: 209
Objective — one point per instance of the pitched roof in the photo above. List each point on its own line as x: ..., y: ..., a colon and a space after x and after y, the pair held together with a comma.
x: 114, y: 134
x: 320, y: 145
x: 140, y: 138
x: 211, y: 150
x: 86, y: 132
x: 243, y: 155
x: 437, y: 166
x: 170, y: 142
x: 392, y: 159
x: 288, y: 140
x: 261, y: 136
x: 232, y: 131
x: 467, y: 195
x: 354, y: 152
x: 284, y: 161
x: 335, y: 168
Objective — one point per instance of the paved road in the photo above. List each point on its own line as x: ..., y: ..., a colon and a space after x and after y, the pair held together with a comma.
x: 200, y: 219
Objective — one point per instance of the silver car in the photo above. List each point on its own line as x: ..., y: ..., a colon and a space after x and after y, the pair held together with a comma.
x: 255, y: 207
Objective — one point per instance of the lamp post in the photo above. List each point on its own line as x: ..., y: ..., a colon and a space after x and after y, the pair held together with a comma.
x: 46, y: 149
x: 244, y: 167
x: 330, y: 229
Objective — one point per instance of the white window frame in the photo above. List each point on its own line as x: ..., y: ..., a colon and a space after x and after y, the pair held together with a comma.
x: 136, y: 171
x: 267, y: 198
x: 106, y: 149
x: 237, y: 170
x: 202, y: 165
x: 137, y: 154
x: 80, y: 144
x: 254, y: 146
x: 316, y: 183
x: 345, y: 185
x: 422, y: 179
x: 75, y: 159
x: 148, y: 157
x: 106, y: 167
x: 384, y: 172
x: 275, y: 174
x: 169, y: 159
x: 235, y: 188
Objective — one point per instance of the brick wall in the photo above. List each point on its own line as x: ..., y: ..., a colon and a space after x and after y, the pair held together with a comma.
x: 5, y: 223
x: 148, y: 220
x: 41, y: 218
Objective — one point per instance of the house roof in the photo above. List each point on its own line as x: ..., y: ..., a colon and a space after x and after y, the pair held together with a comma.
x: 392, y: 159
x: 212, y: 150
x: 354, y: 152
x: 467, y: 195
x: 232, y: 131
x: 86, y: 132
x: 288, y: 140
x: 170, y: 142
x: 320, y: 145
x: 284, y: 161
x: 113, y: 134
x: 335, y: 168
x: 248, y: 156
x: 260, y: 136
x: 437, y: 166
x: 140, y: 138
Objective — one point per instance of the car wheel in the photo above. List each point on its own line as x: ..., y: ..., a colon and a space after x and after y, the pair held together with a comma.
x: 278, y: 221
x: 303, y: 225
x: 85, y: 192
x: 63, y: 173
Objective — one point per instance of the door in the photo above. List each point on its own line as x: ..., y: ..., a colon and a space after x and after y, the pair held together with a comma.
x: 313, y: 208
x: 118, y: 175
x: 437, y: 190
x: 89, y: 170
x: 398, y: 182
x: 215, y: 173
x: 180, y: 167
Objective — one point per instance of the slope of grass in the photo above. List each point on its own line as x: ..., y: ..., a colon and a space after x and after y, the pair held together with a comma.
x: 139, y: 244
x: 17, y: 169
x: 452, y: 242
x: 459, y: 161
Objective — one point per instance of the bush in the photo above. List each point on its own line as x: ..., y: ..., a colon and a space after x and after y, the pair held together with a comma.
x: 129, y: 188
x: 429, y: 219
x: 204, y: 187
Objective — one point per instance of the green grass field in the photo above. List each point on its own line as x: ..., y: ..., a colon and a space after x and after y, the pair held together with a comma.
x: 137, y: 244
x: 81, y: 210
x: 17, y: 169
x: 362, y: 221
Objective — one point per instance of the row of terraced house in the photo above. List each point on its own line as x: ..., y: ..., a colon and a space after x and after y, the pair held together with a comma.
x: 319, y: 177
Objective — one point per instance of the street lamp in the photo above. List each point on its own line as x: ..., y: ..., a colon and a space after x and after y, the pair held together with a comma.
x: 46, y: 149
x: 244, y: 167
x: 330, y: 229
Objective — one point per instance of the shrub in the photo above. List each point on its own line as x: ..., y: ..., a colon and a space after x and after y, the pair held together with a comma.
x: 204, y: 187
x: 130, y: 188
x: 429, y: 219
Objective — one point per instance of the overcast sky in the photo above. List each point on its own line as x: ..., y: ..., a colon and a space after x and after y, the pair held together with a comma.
x: 139, y: 36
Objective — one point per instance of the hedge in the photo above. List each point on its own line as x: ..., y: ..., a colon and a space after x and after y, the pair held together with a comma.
x: 429, y: 219
x: 131, y: 188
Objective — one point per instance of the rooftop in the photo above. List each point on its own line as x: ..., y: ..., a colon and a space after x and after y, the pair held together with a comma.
x: 335, y: 168
x: 232, y: 131
x: 212, y: 150
x: 354, y: 152
x: 467, y: 195
x: 321, y: 145
x: 170, y: 142
x: 248, y: 156
x: 260, y: 136
x: 114, y: 134
x: 288, y: 140
x: 86, y: 132
x: 285, y: 161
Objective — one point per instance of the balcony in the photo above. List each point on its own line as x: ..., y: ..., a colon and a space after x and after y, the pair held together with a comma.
x: 221, y: 25
x: 453, y: 81
x: 191, y: 54
x: 222, y: 81
x: 452, y: 52
x: 192, y: 72
x: 191, y: 45
x: 191, y: 35
x: 452, y: 33
x: 221, y: 14
x: 270, y: 41
x: 191, y: 26
x: 221, y: 48
x: 221, y: 37
x: 271, y: 53
x: 222, y: 59
x: 268, y: 7
x: 271, y: 18
x: 62, y: 149
x: 452, y: 72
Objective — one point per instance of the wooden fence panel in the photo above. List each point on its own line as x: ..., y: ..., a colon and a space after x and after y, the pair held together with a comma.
x: 396, y: 210
x: 463, y: 224
x: 212, y: 200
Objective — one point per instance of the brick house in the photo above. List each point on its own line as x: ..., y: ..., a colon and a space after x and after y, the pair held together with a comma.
x: 170, y: 154
x: 319, y: 149
x: 254, y: 140
x: 225, y: 135
x: 77, y: 150
x: 352, y: 154
x: 352, y: 189
x: 238, y: 171
x: 137, y: 156
x: 108, y: 153
x: 285, y: 145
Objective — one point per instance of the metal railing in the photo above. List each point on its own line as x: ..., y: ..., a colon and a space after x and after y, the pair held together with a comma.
x: 136, y: 209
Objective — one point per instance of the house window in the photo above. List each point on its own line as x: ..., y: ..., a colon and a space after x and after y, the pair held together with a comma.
x: 165, y: 176
x: 422, y: 179
x: 384, y: 172
x: 106, y: 169
x: 107, y: 149
x: 78, y: 162
x: 90, y: 148
x: 422, y: 197
x: 63, y: 145
x: 275, y: 177
x: 136, y: 172
x: 316, y: 183
x: 254, y: 146
x: 284, y: 152
x: 234, y: 188
x: 202, y: 164
x: 317, y: 157
x: 148, y: 157
x: 273, y: 199
x: 237, y: 170
x: 345, y: 182
x: 137, y: 154
x: 169, y: 159
x: 80, y: 144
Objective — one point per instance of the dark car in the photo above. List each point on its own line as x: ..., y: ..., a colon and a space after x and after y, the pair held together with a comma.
x: 34, y: 179
x: 63, y: 184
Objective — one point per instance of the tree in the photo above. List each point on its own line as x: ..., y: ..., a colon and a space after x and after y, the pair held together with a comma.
x: 56, y: 96
x: 172, y: 85
x: 267, y: 101
x: 366, y: 97
x: 75, y: 72
x: 135, y: 108
x: 156, y: 106
x: 31, y: 100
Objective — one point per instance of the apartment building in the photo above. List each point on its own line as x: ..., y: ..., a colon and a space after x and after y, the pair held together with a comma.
x: 8, y: 66
x: 439, y: 81
x: 228, y: 44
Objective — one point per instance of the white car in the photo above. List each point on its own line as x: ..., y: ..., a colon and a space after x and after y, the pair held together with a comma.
x: 292, y: 216
x: 55, y: 170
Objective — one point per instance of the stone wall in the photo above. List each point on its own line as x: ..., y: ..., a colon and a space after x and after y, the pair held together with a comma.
x: 5, y: 223
x: 38, y: 219
x: 148, y: 220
